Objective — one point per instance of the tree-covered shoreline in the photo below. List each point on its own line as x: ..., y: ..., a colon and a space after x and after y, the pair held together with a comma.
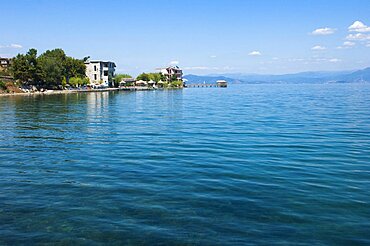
x: 53, y: 69
x: 156, y: 77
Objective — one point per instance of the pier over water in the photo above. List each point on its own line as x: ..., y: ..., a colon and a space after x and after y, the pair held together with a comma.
x: 201, y: 85
x: 219, y: 83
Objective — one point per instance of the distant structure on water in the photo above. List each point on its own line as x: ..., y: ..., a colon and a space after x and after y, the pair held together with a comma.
x: 100, y: 72
x: 171, y: 73
x: 221, y: 83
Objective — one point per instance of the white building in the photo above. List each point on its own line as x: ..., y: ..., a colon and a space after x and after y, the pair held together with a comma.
x: 4, y: 63
x: 172, y: 73
x: 100, y: 72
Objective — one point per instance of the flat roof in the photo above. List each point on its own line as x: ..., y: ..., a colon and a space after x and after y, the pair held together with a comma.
x: 96, y: 61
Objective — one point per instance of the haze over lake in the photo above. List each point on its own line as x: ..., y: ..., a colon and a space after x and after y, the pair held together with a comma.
x: 250, y: 164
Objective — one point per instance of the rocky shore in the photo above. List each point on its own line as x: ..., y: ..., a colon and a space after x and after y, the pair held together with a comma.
x: 54, y: 92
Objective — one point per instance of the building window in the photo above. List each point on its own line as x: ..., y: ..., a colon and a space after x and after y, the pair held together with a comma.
x: 105, y: 73
x: 95, y: 77
x: 95, y: 68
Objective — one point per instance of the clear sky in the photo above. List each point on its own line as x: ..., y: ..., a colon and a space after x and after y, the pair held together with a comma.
x: 201, y: 36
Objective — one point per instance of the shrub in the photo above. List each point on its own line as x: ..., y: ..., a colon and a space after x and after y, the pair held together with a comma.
x: 2, y: 85
x: 77, y: 81
x: 119, y: 77
x: 5, y: 73
x: 176, y: 84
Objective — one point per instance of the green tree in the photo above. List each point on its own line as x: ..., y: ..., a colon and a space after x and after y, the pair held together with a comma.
x: 5, y: 72
x: 74, y: 68
x: 53, y: 68
x: 118, y: 77
x: 25, y: 67
x: 19, y: 68
x: 177, y: 84
x: 3, y: 85
x: 78, y: 81
x: 143, y: 76
x: 151, y: 76
x: 52, y: 65
x: 155, y: 76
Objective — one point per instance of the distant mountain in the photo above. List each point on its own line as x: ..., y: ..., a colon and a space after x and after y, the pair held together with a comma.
x: 304, y: 77
x: 359, y: 76
x: 198, y: 79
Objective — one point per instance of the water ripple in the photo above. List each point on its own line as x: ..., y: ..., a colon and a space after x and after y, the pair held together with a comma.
x: 251, y: 164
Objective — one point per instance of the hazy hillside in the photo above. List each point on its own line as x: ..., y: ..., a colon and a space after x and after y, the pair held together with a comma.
x: 359, y: 76
x: 305, y: 77
x: 198, y: 79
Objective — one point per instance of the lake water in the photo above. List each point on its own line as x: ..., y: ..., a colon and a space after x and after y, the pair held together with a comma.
x: 248, y: 164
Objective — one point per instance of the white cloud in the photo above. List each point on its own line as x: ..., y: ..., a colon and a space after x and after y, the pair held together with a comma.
x: 200, y: 68
x: 368, y: 45
x: 323, y: 31
x: 228, y: 68
x: 197, y: 68
x: 358, y: 26
x: 316, y: 60
x: 335, y: 60
x: 349, y: 44
x: 358, y: 36
x: 213, y: 56
x: 174, y: 62
x: 318, y: 47
x: 346, y: 45
x: 295, y: 59
x: 14, y: 46
x: 255, y: 53
x: 275, y: 58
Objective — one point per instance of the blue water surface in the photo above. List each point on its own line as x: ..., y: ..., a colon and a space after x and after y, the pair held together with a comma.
x: 248, y: 164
